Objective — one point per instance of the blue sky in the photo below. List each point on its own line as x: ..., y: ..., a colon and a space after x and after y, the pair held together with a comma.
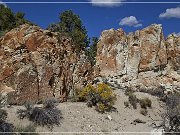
x: 99, y: 16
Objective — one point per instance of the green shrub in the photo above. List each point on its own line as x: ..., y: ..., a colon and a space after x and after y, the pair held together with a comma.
x: 145, y: 102
x: 10, y: 20
x: 143, y: 111
x: 133, y: 100
x: 48, y: 115
x: 101, y: 97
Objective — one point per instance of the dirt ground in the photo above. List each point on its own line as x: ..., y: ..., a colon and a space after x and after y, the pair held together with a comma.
x: 78, y: 118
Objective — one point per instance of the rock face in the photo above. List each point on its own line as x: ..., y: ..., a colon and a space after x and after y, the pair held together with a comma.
x: 38, y: 64
x: 173, y: 51
x: 142, y: 58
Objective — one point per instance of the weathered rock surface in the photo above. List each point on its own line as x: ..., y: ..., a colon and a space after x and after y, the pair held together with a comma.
x: 143, y: 58
x: 38, y: 64
x: 173, y: 51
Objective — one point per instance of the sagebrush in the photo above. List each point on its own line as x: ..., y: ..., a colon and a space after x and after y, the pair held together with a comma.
x: 4, y: 126
x: 145, y: 102
x: 48, y: 115
x: 171, y: 121
x: 100, y: 96
x: 26, y: 130
x: 133, y: 100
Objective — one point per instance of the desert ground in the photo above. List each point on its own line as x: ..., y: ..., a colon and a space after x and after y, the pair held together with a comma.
x: 78, y: 118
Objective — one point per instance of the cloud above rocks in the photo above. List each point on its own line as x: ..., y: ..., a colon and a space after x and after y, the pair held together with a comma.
x: 106, y: 3
x: 1, y: 2
x: 130, y: 21
x: 171, y: 13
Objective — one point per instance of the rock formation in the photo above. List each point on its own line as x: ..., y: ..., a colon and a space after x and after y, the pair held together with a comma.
x: 38, y: 64
x: 140, y: 59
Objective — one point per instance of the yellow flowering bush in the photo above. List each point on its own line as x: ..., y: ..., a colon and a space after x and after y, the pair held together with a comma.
x: 100, y: 96
x: 87, y: 90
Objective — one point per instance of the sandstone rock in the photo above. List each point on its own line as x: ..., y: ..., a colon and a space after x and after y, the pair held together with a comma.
x: 38, y: 64
x: 153, y: 49
x: 112, y: 52
x: 173, y: 51
x: 140, y: 59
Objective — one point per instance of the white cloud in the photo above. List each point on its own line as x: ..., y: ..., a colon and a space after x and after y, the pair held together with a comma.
x: 171, y: 12
x: 130, y: 21
x: 1, y: 2
x: 106, y: 3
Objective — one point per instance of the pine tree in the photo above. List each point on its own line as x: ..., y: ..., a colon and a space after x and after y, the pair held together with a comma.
x: 71, y: 25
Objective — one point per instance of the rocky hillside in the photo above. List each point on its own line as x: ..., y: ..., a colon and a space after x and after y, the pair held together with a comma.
x: 36, y: 64
x: 143, y: 59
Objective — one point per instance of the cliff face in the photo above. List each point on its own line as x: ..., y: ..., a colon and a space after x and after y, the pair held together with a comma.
x: 173, y: 52
x: 36, y: 64
x: 142, y: 58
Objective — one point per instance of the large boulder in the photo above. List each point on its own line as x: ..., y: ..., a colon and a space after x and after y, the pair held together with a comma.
x: 38, y: 64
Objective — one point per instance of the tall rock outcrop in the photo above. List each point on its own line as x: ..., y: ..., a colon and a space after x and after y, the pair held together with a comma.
x: 140, y: 58
x: 38, y: 64
x: 173, y: 51
x: 112, y: 52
